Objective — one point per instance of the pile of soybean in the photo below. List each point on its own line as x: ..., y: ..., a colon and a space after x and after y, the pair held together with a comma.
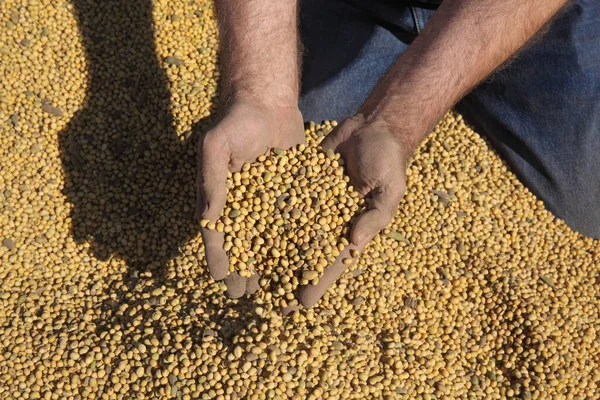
x: 473, y: 291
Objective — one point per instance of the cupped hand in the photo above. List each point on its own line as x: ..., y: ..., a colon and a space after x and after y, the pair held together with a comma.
x: 248, y: 130
x: 376, y: 157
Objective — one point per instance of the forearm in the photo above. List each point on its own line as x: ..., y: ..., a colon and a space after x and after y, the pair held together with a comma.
x: 259, y: 49
x: 463, y: 43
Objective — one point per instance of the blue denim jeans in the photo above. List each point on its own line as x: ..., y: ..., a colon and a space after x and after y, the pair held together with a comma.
x: 541, y: 112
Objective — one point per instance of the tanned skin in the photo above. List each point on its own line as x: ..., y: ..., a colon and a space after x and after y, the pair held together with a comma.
x: 463, y: 43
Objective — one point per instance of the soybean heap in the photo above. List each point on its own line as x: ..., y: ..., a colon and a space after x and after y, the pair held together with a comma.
x: 473, y: 291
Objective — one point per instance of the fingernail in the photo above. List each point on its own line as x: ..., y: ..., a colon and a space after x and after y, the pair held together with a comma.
x: 358, y: 238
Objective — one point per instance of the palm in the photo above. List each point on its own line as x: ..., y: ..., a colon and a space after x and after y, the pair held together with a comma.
x: 246, y: 132
x: 376, y: 164
x: 251, y: 131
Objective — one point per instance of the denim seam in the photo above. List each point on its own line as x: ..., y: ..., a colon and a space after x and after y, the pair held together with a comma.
x: 415, y: 16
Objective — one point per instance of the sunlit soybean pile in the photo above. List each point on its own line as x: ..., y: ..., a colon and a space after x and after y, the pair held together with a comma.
x: 473, y: 291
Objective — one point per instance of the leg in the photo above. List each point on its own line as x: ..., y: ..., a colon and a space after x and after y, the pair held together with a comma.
x: 346, y: 51
x: 542, y: 113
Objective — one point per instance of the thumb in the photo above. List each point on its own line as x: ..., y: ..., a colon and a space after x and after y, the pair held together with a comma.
x: 211, y: 189
x: 211, y: 192
x: 332, y: 140
x: 342, y: 132
x: 382, y: 208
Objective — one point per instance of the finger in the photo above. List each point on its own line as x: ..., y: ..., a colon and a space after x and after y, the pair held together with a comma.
x: 211, y: 180
x: 311, y: 294
x: 211, y: 197
x: 362, y: 189
x: 290, y: 309
x: 382, y: 208
x: 200, y: 204
x: 333, y: 140
x: 236, y: 285
x: 253, y: 284
x: 216, y: 258
x: 341, y: 132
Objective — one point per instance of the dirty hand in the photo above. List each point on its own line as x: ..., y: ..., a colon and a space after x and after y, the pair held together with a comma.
x: 376, y: 157
x: 248, y: 130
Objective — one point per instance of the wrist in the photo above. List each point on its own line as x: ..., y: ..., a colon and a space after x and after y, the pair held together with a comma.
x: 277, y: 120
x: 377, y: 129
x: 407, y: 101
x: 270, y: 98
x: 262, y: 104
x: 404, y: 122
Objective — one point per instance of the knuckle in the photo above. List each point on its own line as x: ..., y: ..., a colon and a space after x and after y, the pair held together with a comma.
x: 207, y: 140
x: 326, y: 143
x: 213, y: 141
x: 357, y: 118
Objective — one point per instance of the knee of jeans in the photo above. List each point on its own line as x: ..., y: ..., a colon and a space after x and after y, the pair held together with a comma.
x: 578, y: 209
x: 321, y: 106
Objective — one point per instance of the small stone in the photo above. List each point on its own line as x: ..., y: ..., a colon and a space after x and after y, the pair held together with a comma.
x: 398, y: 237
x: 173, y: 60
x: 548, y: 281
x: 41, y: 239
x: 491, y: 375
x: 15, y: 17
x: 445, y: 198
x: 410, y: 302
x: 357, y: 300
x: 8, y: 243
x: 50, y: 109
x: 337, y: 345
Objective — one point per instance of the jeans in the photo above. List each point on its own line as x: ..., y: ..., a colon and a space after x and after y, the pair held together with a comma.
x: 541, y: 112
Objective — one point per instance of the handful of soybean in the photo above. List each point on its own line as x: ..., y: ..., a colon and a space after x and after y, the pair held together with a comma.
x: 287, y: 217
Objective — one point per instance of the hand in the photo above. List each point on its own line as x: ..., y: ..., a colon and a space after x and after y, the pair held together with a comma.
x: 248, y: 130
x: 376, y: 156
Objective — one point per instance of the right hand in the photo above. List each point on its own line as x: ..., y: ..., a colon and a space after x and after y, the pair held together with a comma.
x: 248, y: 130
x: 376, y: 156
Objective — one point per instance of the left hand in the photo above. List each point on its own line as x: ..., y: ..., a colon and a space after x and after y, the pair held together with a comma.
x: 376, y: 156
x: 248, y: 130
